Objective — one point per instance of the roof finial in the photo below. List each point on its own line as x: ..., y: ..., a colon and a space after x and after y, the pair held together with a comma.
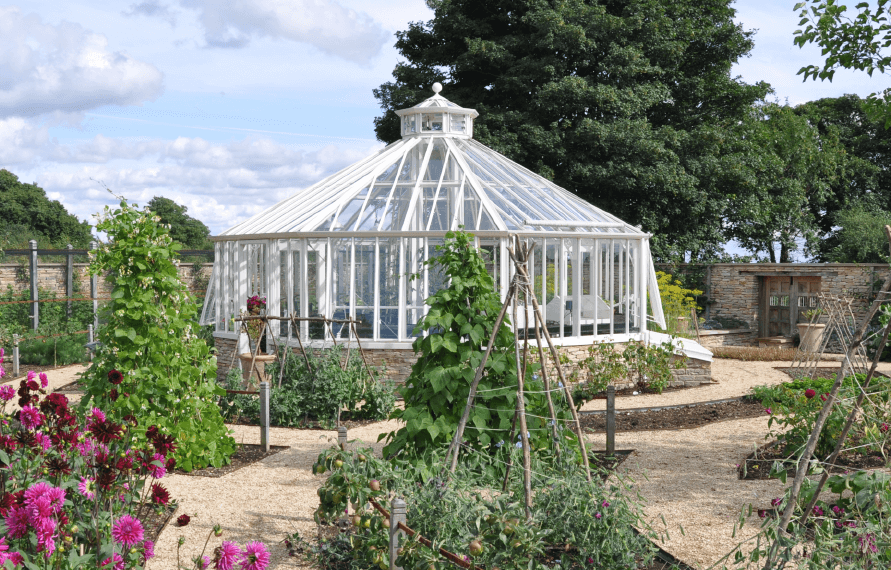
x: 437, y: 87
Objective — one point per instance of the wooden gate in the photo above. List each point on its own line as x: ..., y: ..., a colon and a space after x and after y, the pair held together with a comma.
x: 784, y: 301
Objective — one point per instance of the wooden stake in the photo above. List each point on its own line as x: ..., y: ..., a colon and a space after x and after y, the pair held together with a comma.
x: 566, y: 391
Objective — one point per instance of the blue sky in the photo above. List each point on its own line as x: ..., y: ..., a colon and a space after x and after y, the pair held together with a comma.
x: 228, y: 106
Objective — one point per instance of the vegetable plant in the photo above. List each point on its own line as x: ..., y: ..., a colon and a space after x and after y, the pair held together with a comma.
x: 149, y: 333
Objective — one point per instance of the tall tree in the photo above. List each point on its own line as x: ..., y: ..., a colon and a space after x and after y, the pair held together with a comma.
x: 27, y: 213
x: 866, y: 185
x: 789, y: 173
x: 609, y: 98
x: 188, y: 231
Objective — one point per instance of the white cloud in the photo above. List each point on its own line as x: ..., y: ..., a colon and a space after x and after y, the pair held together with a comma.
x: 46, y: 68
x: 220, y: 183
x: 325, y: 24
x: 152, y: 8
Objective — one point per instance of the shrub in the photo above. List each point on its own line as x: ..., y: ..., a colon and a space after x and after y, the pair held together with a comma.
x: 59, y: 351
x: 169, y: 377
x: 677, y: 302
x: 647, y: 366
x: 332, y: 384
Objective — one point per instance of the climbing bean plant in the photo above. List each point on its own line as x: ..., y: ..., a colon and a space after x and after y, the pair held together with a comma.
x: 457, y: 328
x: 149, y: 334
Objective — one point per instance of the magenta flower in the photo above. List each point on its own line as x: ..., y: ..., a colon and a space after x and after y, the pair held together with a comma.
x: 31, y: 375
x: 776, y: 502
x: 818, y: 511
x: 884, y: 428
x: 148, y: 550
x: 157, y: 471
x: 768, y: 411
x: 43, y: 441
x: 30, y: 417
x: 87, y: 488
x: 228, y: 555
x: 44, y: 381
x: 254, y: 557
x: 116, y: 560
x: 127, y: 531
x: 597, y: 516
x: 604, y: 504
x: 810, y: 393
x: 16, y: 522
x: 7, y: 392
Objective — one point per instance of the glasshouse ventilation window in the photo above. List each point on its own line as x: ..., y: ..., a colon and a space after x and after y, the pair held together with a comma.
x: 347, y: 246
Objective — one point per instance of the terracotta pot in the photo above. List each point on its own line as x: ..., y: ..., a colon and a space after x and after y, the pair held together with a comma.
x: 811, y: 336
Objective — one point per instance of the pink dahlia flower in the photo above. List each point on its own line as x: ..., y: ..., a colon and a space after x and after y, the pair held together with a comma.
x: 127, y: 531
x: 254, y: 556
x: 30, y: 417
x: 228, y: 554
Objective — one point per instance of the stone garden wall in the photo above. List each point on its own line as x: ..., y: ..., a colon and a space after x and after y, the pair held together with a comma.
x: 397, y: 364
x: 53, y: 277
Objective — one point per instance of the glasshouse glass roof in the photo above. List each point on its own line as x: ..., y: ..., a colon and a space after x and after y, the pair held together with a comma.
x: 434, y: 179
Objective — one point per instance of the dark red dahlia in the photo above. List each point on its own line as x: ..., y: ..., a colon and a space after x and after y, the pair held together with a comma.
x: 106, y: 430
x: 57, y: 466
x: 124, y: 464
x: 115, y: 377
x: 55, y: 404
x: 164, y: 444
x: 7, y: 443
x: 113, y: 394
x: 106, y: 478
x: 33, y: 385
x: 171, y: 464
x: 183, y: 520
x: 160, y: 495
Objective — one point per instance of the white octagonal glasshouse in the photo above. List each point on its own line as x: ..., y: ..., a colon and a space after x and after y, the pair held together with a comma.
x: 348, y: 246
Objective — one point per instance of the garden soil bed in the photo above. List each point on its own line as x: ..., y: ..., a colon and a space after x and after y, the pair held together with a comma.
x: 246, y: 454
x: 688, y: 417
x: 154, y: 523
x: 312, y: 424
x: 821, y: 372
x: 757, y: 465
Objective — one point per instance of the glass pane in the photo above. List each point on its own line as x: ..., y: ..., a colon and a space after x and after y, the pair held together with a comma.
x: 389, y: 324
x: 388, y: 278
x: 436, y: 162
x: 341, y: 283
x: 408, y: 124
x: 297, y: 280
x: 350, y: 212
x: 364, y: 268
x: 395, y: 212
x: 431, y: 122
x: 371, y: 217
x: 365, y: 323
x: 436, y: 278
x: 315, y: 286
x: 457, y: 123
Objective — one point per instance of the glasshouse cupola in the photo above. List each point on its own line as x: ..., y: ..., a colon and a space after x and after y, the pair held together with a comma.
x: 348, y: 245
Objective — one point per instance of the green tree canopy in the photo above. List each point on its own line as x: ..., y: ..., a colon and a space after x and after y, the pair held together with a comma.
x: 186, y: 230
x: 861, y: 236
x: 629, y: 103
x: 27, y: 213
x: 788, y: 172
x: 849, y: 40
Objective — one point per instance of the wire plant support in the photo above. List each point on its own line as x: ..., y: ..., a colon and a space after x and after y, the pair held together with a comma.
x: 840, y: 324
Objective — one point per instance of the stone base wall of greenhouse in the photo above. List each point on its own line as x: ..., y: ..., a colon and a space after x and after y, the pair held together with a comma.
x: 397, y: 363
